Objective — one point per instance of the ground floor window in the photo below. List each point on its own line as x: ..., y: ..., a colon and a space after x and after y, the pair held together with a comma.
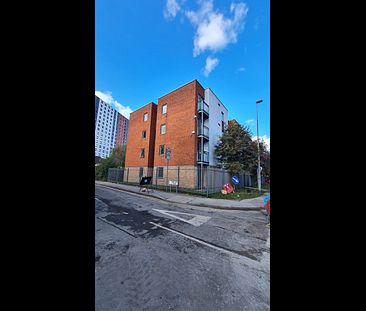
x: 141, y: 173
x: 160, y: 172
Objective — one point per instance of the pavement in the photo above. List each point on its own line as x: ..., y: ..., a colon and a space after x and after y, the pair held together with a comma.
x: 152, y: 254
x: 246, y: 204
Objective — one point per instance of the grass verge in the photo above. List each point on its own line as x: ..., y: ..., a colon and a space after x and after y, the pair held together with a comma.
x: 238, y: 194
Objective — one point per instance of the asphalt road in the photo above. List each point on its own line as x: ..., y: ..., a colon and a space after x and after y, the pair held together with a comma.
x: 154, y: 255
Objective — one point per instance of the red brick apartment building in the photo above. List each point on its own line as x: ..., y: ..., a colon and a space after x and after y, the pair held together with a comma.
x: 122, y: 130
x: 180, y: 122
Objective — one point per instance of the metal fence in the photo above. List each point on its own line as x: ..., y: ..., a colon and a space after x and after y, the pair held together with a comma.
x: 203, y: 181
x: 115, y: 175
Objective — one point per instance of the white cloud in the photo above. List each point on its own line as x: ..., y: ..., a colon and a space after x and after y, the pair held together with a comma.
x: 211, y: 63
x: 265, y: 139
x: 171, y: 9
x: 108, y: 98
x: 241, y: 69
x: 213, y: 31
x: 250, y: 121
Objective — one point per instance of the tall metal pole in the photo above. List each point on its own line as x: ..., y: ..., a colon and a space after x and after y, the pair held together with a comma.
x: 202, y: 156
x: 167, y: 170
x: 259, y: 157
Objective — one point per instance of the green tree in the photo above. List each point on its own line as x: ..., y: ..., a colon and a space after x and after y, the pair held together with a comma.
x: 116, y: 159
x: 235, y: 149
x: 101, y: 171
x: 118, y: 155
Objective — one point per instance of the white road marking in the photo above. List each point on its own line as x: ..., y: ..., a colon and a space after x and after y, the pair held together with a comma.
x: 196, y: 221
x: 118, y: 227
x: 248, y: 260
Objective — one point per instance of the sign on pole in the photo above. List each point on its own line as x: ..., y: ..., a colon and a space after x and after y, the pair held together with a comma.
x: 235, y: 180
x: 168, y: 153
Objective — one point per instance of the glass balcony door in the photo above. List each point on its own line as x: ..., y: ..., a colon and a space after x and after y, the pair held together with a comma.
x: 204, y: 131
x: 203, y: 157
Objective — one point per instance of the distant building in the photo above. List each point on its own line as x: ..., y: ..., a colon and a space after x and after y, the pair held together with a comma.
x: 110, y: 128
x: 233, y: 121
x: 189, y: 122
x: 122, y: 130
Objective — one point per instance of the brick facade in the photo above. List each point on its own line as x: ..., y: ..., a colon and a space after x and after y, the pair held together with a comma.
x: 135, y: 140
x: 122, y: 128
x: 232, y: 122
x: 180, y: 137
x: 186, y: 174
x: 180, y: 122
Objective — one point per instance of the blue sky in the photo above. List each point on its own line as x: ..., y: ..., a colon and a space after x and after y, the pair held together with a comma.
x: 147, y: 48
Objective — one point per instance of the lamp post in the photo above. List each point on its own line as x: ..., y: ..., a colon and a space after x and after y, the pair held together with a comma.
x: 259, y: 157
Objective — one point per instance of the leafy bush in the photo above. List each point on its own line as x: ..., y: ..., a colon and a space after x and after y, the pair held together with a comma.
x: 117, y: 159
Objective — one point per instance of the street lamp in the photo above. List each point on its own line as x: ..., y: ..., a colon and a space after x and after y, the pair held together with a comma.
x: 259, y: 157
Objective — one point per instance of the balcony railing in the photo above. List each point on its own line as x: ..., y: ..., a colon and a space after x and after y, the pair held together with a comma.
x: 203, y: 157
x: 203, y: 106
x: 204, y: 132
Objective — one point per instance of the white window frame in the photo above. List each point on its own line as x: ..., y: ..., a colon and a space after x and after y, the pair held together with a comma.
x: 166, y: 109
x: 161, y: 127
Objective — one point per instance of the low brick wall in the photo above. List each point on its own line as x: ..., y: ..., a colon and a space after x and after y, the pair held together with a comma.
x: 132, y: 174
x: 186, y: 176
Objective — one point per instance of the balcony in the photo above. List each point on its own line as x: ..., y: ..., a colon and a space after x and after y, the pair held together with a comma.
x: 203, y: 133
x: 203, y: 107
x: 203, y: 158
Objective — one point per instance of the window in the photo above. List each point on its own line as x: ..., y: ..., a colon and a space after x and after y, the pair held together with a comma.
x: 161, y: 150
x: 222, y: 126
x: 222, y: 116
x: 164, y: 109
x: 141, y: 173
x: 143, y: 134
x: 163, y: 129
x: 145, y: 116
x: 200, y: 99
x: 219, y: 104
x: 142, y: 153
x: 160, y: 172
